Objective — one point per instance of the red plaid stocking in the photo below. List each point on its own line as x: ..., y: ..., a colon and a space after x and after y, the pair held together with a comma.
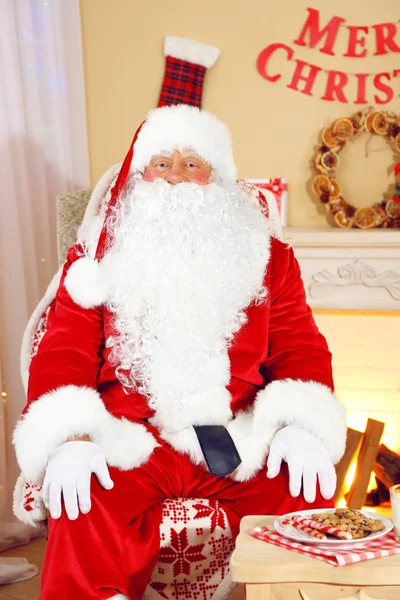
x: 186, y: 64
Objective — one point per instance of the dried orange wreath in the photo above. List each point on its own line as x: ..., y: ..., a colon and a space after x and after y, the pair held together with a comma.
x: 325, y: 185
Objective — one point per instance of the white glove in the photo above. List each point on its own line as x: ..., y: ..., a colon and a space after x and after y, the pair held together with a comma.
x: 68, y: 474
x: 307, y: 459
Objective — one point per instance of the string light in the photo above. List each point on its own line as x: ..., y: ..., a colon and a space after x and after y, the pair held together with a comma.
x: 42, y: 260
x: 4, y: 394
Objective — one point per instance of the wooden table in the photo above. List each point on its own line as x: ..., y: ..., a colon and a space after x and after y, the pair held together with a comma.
x: 273, y: 573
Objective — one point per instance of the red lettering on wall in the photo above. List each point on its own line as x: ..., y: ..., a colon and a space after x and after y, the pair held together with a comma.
x: 334, y: 85
x: 382, y: 87
x: 312, y: 25
x: 385, y: 33
x: 309, y: 79
x: 361, y: 84
x: 355, y: 41
x: 264, y: 56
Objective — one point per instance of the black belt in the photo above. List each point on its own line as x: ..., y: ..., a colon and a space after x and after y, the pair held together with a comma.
x: 218, y: 448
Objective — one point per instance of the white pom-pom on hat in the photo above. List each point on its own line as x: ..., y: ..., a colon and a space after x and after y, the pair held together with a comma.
x: 87, y: 283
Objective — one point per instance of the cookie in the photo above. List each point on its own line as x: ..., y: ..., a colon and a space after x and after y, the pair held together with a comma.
x: 351, y: 520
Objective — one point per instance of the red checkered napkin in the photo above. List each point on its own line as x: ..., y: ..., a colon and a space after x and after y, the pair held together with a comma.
x: 383, y: 546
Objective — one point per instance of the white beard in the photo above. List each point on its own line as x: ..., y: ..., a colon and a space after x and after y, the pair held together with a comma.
x: 185, y: 263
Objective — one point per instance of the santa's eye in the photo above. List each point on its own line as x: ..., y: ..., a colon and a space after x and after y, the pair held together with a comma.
x: 161, y: 164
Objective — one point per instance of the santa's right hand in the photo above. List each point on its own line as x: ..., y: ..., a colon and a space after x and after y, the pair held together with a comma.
x: 68, y: 475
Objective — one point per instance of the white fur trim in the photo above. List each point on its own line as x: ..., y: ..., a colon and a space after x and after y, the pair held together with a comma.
x: 93, y: 220
x: 209, y: 407
x: 307, y: 404
x: 72, y: 411
x: 27, y: 340
x: 191, y: 51
x: 119, y: 597
x: 252, y: 449
x: 186, y: 127
x: 89, y: 233
x: 87, y: 283
x: 101, y: 192
x: 186, y: 442
x: 205, y: 408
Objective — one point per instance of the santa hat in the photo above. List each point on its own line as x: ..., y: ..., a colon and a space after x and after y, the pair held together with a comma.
x: 186, y: 127
x: 164, y: 130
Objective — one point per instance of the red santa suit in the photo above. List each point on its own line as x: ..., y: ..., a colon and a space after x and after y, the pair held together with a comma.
x: 275, y: 370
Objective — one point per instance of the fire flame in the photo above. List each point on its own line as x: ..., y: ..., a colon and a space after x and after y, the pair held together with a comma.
x: 349, y: 480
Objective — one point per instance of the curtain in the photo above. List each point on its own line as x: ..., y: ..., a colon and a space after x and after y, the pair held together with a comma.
x: 43, y: 153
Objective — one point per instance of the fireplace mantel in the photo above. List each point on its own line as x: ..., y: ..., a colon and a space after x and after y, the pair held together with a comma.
x: 349, y: 269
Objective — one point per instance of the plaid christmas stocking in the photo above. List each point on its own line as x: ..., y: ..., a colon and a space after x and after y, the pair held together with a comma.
x: 186, y: 64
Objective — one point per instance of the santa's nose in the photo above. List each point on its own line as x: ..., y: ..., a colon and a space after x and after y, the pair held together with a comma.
x: 175, y: 175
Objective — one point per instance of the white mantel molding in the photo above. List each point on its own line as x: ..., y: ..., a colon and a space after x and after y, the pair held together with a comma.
x: 349, y: 269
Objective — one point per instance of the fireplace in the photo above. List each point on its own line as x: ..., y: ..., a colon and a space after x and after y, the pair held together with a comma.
x: 352, y: 281
x: 366, y: 365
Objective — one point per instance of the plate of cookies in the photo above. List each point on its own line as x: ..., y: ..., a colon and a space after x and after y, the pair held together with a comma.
x: 342, y: 528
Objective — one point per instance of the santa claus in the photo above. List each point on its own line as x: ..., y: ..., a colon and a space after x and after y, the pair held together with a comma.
x: 180, y: 359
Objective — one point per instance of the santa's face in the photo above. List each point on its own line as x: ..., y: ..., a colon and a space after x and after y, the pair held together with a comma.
x: 178, y: 167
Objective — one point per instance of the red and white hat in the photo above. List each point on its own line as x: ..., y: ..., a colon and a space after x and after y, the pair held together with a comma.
x: 165, y: 129
x: 182, y: 127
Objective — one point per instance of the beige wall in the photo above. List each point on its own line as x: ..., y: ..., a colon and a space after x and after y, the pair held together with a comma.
x: 274, y: 129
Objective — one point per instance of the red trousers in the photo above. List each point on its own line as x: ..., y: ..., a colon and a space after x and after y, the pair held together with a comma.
x: 114, y: 548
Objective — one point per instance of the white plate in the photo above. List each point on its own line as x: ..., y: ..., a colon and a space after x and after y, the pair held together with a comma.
x: 301, y: 536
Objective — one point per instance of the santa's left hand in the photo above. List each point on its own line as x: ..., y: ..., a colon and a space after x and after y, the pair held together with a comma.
x: 307, y: 460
